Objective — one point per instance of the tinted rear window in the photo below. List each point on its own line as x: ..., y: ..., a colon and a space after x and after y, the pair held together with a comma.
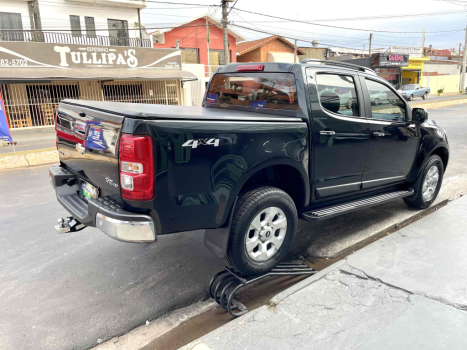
x: 253, y: 91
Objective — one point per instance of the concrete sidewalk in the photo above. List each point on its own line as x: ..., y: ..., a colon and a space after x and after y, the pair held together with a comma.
x: 405, y: 291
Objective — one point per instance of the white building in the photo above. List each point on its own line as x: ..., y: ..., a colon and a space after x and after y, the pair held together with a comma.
x: 104, y: 21
x: 52, y: 50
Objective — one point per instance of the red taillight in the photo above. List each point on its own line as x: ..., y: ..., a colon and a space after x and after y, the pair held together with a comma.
x: 250, y: 67
x: 136, y: 167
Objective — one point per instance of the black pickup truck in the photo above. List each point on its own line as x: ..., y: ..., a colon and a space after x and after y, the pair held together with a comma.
x: 273, y: 142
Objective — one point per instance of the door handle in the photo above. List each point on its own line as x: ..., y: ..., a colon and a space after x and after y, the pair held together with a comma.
x: 327, y: 132
x: 378, y: 134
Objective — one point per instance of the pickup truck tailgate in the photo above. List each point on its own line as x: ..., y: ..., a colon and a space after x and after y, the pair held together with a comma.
x: 87, y: 141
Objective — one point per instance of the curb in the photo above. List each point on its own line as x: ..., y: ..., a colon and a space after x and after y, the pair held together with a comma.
x: 142, y: 336
x: 440, y: 104
x: 27, y: 159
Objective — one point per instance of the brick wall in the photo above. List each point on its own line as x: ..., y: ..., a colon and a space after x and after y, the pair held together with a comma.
x: 261, y: 54
x: 252, y: 56
x: 274, y: 46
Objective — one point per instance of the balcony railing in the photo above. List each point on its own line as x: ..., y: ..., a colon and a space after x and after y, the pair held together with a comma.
x: 69, y: 38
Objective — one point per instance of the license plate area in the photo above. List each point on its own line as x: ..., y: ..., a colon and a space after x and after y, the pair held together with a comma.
x: 88, y: 191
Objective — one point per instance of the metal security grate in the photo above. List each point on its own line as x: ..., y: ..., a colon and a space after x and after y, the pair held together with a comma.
x: 34, y: 104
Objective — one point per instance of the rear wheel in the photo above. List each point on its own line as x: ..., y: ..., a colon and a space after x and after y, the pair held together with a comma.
x: 429, y: 184
x: 411, y: 98
x: 263, y: 228
x: 425, y: 95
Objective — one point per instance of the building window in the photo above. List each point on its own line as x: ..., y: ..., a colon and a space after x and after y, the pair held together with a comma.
x: 75, y: 25
x: 216, y: 57
x: 11, y: 27
x: 118, y: 32
x: 90, y: 26
x: 190, y: 56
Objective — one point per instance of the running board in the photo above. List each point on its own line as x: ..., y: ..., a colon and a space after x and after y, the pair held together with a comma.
x: 344, y: 208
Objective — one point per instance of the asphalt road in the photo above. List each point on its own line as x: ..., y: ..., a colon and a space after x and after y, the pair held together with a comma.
x: 71, y: 291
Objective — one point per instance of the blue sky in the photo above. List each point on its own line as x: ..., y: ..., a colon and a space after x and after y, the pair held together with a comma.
x: 433, y: 16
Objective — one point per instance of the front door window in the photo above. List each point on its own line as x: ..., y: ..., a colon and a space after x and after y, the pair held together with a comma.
x: 385, y: 104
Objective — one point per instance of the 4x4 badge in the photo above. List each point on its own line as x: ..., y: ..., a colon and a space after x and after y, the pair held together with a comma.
x: 201, y: 142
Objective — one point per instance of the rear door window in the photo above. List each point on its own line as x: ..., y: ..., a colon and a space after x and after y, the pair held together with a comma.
x: 253, y: 91
x: 338, y: 94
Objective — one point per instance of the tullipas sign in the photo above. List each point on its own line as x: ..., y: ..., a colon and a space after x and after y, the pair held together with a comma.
x: 69, y: 56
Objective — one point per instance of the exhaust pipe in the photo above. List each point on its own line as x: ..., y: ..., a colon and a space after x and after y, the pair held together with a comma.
x: 69, y: 224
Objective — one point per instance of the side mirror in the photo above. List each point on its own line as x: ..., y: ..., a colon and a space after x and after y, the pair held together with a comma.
x: 419, y: 115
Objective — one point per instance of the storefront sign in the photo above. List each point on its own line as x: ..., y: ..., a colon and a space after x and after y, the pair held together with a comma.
x: 69, y: 56
x: 391, y: 60
x: 415, y: 64
x: 407, y: 50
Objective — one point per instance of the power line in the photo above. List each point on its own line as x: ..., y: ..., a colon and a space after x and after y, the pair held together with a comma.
x: 346, y: 28
x: 289, y: 37
x: 371, y: 17
x: 175, y: 3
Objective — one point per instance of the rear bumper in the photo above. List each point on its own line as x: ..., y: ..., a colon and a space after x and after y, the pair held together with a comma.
x: 104, y: 213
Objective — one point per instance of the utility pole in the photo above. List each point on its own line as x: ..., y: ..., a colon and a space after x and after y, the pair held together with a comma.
x: 463, y: 63
x: 226, y: 34
x: 295, y: 52
x: 423, y: 43
x: 369, y: 50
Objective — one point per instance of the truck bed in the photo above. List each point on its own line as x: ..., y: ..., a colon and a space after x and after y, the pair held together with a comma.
x: 151, y: 111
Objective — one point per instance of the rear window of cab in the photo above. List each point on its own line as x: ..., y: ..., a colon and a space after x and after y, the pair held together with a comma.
x: 253, y: 91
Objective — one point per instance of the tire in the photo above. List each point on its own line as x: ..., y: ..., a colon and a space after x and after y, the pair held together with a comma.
x: 376, y: 101
x: 349, y: 104
x: 425, y: 95
x: 418, y: 200
x: 411, y: 98
x: 261, y: 203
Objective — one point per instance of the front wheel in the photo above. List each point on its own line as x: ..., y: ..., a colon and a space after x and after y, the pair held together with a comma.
x: 427, y: 189
x: 263, y: 228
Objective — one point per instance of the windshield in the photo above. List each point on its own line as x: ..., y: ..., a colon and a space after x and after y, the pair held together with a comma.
x: 409, y: 87
x: 253, y: 90
x: 374, y: 92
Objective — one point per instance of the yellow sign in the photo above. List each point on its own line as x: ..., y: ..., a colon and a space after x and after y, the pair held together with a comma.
x: 416, y: 63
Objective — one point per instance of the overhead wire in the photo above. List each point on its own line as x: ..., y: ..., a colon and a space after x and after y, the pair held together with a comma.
x: 346, y: 28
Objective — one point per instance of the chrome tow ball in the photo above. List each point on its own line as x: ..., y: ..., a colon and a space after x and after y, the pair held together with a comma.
x: 69, y: 224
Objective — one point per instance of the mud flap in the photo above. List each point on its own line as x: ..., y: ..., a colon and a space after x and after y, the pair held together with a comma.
x: 216, y: 240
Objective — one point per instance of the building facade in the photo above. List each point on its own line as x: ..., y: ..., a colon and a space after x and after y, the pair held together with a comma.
x: 270, y: 49
x: 39, y: 66
x: 192, y: 39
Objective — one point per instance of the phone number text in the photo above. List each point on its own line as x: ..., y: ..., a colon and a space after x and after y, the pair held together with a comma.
x: 16, y: 62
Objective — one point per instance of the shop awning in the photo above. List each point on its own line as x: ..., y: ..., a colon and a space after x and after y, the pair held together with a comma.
x: 28, y: 74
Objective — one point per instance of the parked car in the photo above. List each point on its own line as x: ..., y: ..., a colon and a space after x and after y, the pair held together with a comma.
x: 377, y: 97
x: 345, y: 96
x: 414, y: 90
x: 266, y: 149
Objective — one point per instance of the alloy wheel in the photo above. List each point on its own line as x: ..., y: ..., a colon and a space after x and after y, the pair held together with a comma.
x: 266, y: 234
x: 430, y: 183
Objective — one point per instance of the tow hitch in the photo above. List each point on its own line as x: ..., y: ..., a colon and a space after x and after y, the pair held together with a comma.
x: 226, y: 283
x: 69, y: 224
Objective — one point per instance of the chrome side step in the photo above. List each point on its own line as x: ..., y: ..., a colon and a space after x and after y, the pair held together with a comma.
x: 344, y: 208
